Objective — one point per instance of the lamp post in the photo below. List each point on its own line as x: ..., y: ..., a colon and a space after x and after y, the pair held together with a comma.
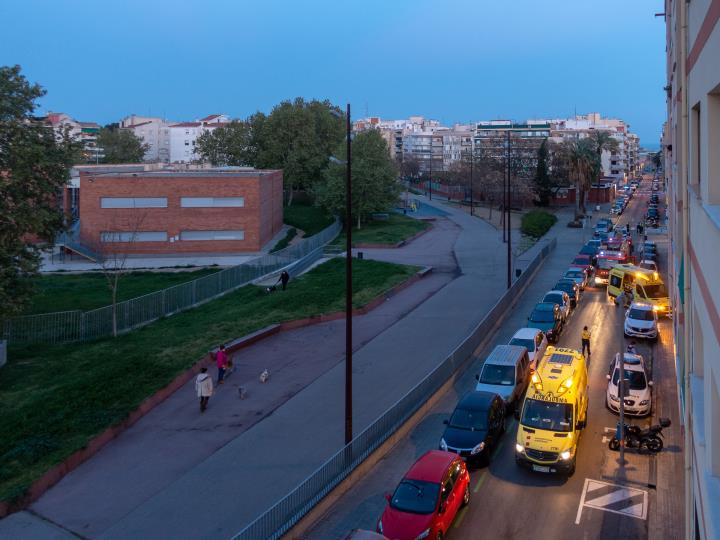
x: 348, y: 275
x: 431, y: 158
x: 507, y: 207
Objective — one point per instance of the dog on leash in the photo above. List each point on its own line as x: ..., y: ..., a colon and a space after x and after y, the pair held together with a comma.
x: 264, y: 376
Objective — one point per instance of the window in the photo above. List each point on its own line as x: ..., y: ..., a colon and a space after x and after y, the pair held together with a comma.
x: 212, y: 202
x: 447, y: 487
x: 129, y: 236
x: 695, y: 146
x: 133, y: 202
x: 212, y: 235
x: 615, y: 281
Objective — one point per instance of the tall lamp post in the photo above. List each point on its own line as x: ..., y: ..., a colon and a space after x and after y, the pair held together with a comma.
x: 348, y: 275
x: 431, y: 158
x: 507, y: 209
x: 472, y: 159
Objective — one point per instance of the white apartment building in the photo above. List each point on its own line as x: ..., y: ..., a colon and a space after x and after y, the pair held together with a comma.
x: 182, y: 136
x: 691, y: 148
x: 153, y: 131
x: 85, y: 132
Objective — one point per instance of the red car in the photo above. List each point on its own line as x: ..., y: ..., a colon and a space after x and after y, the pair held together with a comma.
x: 584, y: 262
x: 427, y: 498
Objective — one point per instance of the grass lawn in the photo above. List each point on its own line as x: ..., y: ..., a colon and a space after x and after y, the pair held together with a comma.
x: 392, y: 231
x: 308, y: 218
x: 55, y: 398
x: 65, y: 292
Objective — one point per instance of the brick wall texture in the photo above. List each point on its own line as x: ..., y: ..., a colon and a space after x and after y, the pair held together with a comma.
x: 261, y: 218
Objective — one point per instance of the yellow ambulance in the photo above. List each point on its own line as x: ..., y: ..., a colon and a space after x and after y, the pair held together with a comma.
x: 647, y: 286
x: 554, y: 413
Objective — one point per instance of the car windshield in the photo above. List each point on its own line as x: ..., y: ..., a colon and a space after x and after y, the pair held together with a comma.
x: 606, y: 264
x: 415, y: 497
x: 529, y: 344
x: 554, y: 298
x: 637, y: 379
x: 567, y: 287
x: 542, y: 316
x: 641, y: 314
x: 580, y: 260
x: 470, y: 420
x: 495, y: 374
x: 575, y: 275
x: 655, y: 291
x: 547, y: 415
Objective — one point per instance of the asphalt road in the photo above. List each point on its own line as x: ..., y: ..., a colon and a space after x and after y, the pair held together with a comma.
x: 603, y: 499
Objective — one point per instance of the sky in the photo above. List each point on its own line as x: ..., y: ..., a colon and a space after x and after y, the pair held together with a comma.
x: 450, y: 60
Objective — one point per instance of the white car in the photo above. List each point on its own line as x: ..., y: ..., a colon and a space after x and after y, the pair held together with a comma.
x: 638, y: 395
x: 648, y: 265
x: 533, y: 340
x: 641, y: 321
x: 562, y: 299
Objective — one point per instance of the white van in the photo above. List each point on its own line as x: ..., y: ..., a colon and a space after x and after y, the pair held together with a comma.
x: 506, y: 372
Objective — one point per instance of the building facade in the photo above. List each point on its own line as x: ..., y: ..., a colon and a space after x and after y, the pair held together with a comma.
x: 183, y: 136
x: 691, y: 150
x: 153, y: 131
x: 84, y: 132
x: 228, y: 210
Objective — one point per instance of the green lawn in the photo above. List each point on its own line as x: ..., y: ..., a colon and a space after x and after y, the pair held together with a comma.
x: 392, y: 231
x: 65, y: 292
x: 310, y: 219
x: 55, y: 398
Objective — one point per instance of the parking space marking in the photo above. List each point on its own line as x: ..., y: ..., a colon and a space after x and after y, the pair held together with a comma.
x: 459, y: 518
x: 613, y: 498
x: 479, y: 482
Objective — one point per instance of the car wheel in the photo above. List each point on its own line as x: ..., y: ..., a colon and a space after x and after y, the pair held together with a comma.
x: 439, y: 535
x: 572, y: 468
x: 504, y: 425
x: 466, y: 496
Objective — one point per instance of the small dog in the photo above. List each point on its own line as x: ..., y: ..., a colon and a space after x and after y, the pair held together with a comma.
x: 270, y: 289
x: 264, y: 376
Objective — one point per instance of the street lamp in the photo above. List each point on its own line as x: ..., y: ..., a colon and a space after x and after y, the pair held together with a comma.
x: 348, y: 274
x: 508, y: 201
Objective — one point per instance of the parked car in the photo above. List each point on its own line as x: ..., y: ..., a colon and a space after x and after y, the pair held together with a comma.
x: 361, y: 534
x: 562, y: 299
x: 583, y: 261
x: 641, y: 321
x: 475, y: 427
x: 573, y: 289
x: 534, y: 340
x: 546, y: 316
x: 506, y: 372
x: 638, y: 399
x: 579, y: 276
x: 426, y: 500
x: 649, y: 264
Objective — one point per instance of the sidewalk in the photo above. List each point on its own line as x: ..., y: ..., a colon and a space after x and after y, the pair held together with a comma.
x: 170, y: 481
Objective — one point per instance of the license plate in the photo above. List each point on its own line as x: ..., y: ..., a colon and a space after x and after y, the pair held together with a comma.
x: 540, y: 468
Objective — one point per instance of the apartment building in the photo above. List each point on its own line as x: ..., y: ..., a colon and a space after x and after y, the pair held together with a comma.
x: 153, y: 131
x: 183, y: 136
x: 691, y: 143
x: 163, y: 212
x: 85, y: 132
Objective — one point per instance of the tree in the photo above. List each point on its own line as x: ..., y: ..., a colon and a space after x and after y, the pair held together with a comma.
x: 602, y: 140
x: 236, y: 144
x: 121, y: 146
x: 374, y: 180
x: 581, y: 158
x: 409, y: 166
x: 542, y: 182
x: 34, y: 168
x: 656, y: 159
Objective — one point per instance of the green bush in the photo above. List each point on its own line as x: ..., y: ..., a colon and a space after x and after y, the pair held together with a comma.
x: 536, y: 223
x: 283, y: 242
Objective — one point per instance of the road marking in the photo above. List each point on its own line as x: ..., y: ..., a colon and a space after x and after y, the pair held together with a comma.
x: 479, y: 482
x: 606, y: 439
x: 613, y: 498
x: 460, y: 517
x: 612, y: 430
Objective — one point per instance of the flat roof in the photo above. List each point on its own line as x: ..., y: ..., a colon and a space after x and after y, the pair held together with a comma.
x: 209, y: 173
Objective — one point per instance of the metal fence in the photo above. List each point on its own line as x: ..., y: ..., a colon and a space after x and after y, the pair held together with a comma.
x: 281, y: 517
x: 69, y: 326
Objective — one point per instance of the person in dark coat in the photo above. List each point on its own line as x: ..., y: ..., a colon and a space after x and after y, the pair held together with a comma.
x: 284, y: 278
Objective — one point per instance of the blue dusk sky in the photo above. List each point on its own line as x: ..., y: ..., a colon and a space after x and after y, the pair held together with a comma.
x: 451, y: 60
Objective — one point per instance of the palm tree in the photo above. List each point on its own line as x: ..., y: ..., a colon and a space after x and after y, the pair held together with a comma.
x: 602, y: 140
x: 581, y: 159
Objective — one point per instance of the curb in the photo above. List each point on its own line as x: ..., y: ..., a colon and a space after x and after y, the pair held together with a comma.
x: 95, y: 444
x: 399, y: 244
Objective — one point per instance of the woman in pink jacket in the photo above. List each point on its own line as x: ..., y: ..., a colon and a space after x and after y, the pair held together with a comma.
x: 221, y: 358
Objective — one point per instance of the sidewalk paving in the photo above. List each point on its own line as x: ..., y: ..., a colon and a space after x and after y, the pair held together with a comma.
x: 177, y: 474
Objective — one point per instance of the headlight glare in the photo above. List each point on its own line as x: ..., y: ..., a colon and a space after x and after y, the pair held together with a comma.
x: 423, y: 534
x: 443, y: 445
x: 477, y: 449
x: 519, y: 448
x: 565, y: 455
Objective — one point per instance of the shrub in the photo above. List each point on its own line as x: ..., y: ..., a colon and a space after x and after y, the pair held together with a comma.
x: 537, y: 222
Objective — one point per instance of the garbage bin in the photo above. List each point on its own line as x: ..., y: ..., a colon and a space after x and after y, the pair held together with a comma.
x: 359, y: 254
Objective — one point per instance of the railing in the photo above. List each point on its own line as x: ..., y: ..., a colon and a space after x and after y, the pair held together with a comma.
x: 69, y: 326
x: 281, y: 517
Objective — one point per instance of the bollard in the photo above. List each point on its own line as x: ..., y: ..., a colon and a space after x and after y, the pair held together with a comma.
x: 359, y: 254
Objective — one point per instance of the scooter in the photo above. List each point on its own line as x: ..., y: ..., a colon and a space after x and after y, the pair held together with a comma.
x: 642, y: 439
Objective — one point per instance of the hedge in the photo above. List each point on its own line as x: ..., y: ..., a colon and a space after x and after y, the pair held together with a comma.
x: 537, y: 222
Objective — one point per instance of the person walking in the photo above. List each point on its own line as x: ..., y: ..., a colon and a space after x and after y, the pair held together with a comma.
x: 586, y: 340
x: 620, y: 299
x: 221, y: 359
x: 204, y: 388
x: 284, y: 278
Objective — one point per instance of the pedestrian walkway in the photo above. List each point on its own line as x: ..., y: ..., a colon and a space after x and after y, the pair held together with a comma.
x: 239, y: 479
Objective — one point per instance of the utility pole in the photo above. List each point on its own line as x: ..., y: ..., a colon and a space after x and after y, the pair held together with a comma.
x: 507, y: 219
x: 431, y: 158
x: 348, y: 286
x: 621, y: 395
x: 472, y: 158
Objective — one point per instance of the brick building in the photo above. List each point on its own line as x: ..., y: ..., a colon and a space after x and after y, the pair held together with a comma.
x: 172, y: 212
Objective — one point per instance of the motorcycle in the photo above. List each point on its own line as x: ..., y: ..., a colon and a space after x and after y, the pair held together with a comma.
x: 643, y: 439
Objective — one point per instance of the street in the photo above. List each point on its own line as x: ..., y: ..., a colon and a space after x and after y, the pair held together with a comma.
x: 602, y: 499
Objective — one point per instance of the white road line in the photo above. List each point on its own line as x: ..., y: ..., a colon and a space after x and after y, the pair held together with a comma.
x: 610, y: 498
x: 582, y: 502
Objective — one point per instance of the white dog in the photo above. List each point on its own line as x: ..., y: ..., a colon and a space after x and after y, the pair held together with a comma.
x: 264, y: 376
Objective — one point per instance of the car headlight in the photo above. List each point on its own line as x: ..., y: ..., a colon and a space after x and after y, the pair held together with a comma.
x: 423, y: 534
x: 614, y: 398
x: 479, y: 448
x: 443, y: 445
x: 645, y: 402
x: 519, y: 448
x: 565, y: 455
x: 379, y: 526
